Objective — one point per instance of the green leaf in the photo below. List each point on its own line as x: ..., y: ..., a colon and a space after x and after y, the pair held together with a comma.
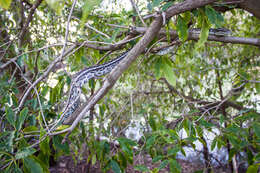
x: 182, y: 28
x: 7, y: 140
x: 57, y: 143
x: 122, y: 159
x: 150, y: 141
x: 152, y: 122
x: 219, y: 20
x: 157, y: 68
x: 156, y: 3
x: 206, y: 124
x: 257, y: 87
x: 44, y: 91
x: 169, y: 74
x: 157, y: 158
x: 125, y: 145
x: 234, y: 140
x: 203, y: 34
x: 84, y: 60
x: 257, y: 157
x: 173, y: 150
x: 12, y: 169
x: 213, y: 144
x: 43, y: 161
x: 94, y: 159
x: 256, y: 127
x: 199, y: 171
x: 5, y: 3
x: 35, y: 104
x: 163, y: 164
x: 53, y: 95
x: 183, y: 152
x: 246, y: 116
x: 10, y: 116
x: 174, y: 166
x: 32, y: 165
x: 21, y: 118
x: 88, y: 6
x: 115, y: 167
x: 150, y: 6
x: 126, y: 141
x: 250, y: 157
x: 220, y: 143
x: 204, y: 24
x: 252, y: 169
x: 44, y: 145
x: 214, y: 17
x: 233, y: 129
x: 24, y: 152
x: 231, y: 154
x: 56, y: 5
x: 30, y: 129
x: 211, y: 13
x: 17, y: 170
x: 167, y: 5
x: 186, y: 126
x: 4, y: 134
x: 141, y: 168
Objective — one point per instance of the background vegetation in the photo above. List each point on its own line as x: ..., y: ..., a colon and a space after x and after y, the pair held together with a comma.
x: 177, y: 81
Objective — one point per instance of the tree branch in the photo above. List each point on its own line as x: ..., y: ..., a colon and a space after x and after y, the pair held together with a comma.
x: 252, y: 6
x: 29, y: 19
x: 195, y: 36
x: 150, y: 34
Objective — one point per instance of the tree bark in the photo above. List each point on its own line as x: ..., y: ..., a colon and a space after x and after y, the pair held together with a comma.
x: 252, y: 6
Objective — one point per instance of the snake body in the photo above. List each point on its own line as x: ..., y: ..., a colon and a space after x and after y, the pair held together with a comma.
x: 218, y: 32
x: 81, y: 78
x: 85, y: 75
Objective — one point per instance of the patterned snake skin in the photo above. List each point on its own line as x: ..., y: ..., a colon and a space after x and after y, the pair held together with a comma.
x: 81, y: 78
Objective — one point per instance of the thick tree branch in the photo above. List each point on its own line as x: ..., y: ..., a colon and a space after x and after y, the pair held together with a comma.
x: 252, y: 6
x: 185, y: 6
x: 195, y: 36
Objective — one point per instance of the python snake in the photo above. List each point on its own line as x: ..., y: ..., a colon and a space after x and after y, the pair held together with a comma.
x: 85, y: 75
x: 81, y: 78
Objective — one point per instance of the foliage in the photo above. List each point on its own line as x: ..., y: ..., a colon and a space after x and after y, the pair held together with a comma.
x: 196, y: 87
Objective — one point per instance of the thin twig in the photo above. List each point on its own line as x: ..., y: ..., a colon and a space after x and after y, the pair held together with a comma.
x: 118, y: 26
x: 124, y: 41
x: 251, y: 81
x: 101, y: 59
x: 37, y: 94
x: 5, y: 51
x: 10, y: 80
x: 94, y: 29
x: 34, y: 50
x: 137, y: 11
